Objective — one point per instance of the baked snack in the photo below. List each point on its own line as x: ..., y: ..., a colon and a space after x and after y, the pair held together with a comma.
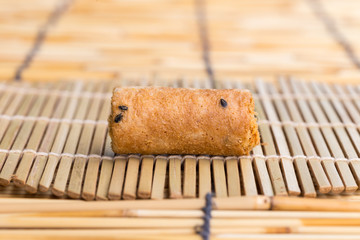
x: 161, y: 120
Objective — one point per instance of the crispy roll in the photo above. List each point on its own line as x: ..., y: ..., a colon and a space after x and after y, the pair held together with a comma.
x: 182, y: 121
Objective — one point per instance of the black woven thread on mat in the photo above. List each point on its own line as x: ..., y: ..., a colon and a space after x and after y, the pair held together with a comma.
x: 331, y: 27
x: 204, y: 231
x: 204, y: 38
x: 41, y: 35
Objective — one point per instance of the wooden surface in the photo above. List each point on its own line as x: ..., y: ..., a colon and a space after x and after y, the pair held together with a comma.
x: 105, y: 39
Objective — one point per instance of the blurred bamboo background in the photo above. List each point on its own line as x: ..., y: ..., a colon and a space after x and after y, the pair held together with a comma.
x: 108, y: 39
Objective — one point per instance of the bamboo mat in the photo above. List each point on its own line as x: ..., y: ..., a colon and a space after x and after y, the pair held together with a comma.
x: 108, y: 39
x: 54, y: 144
x: 54, y: 141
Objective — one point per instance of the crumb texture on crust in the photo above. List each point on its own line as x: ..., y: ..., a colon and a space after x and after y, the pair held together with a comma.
x: 183, y: 121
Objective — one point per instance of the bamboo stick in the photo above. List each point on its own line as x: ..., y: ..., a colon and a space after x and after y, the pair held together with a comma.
x: 261, y: 173
x: 175, y: 180
x: 77, y: 167
x: 189, y: 183
x: 131, y: 178
x: 284, y: 232
x: 299, y: 204
x: 62, y: 175
x: 216, y: 214
x: 128, y: 223
x: 233, y: 176
x: 234, y: 203
x: 35, y: 174
x: 107, y: 166
x: 180, y: 233
x: 160, y: 234
x: 204, y: 176
x: 91, y: 176
x: 117, y: 178
x: 146, y: 177
x: 248, y: 177
x: 104, y: 179
x: 219, y: 177
x: 157, y: 191
x: 287, y: 236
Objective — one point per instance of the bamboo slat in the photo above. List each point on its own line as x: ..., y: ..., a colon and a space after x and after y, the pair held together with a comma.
x: 233, y: 176
x: 175, y: 178
x: 107, y: 166
x: 131, y: 178
x: 117, y: 178
x: 189, y: 182
x: 218, y: 170
x: 146, y: 177
x: 157, y: 190
x: 248, y: 178
x: 204, y: 176
x: 262, y: 173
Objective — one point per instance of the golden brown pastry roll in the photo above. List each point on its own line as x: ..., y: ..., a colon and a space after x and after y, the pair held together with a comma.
x: 161, y: 120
